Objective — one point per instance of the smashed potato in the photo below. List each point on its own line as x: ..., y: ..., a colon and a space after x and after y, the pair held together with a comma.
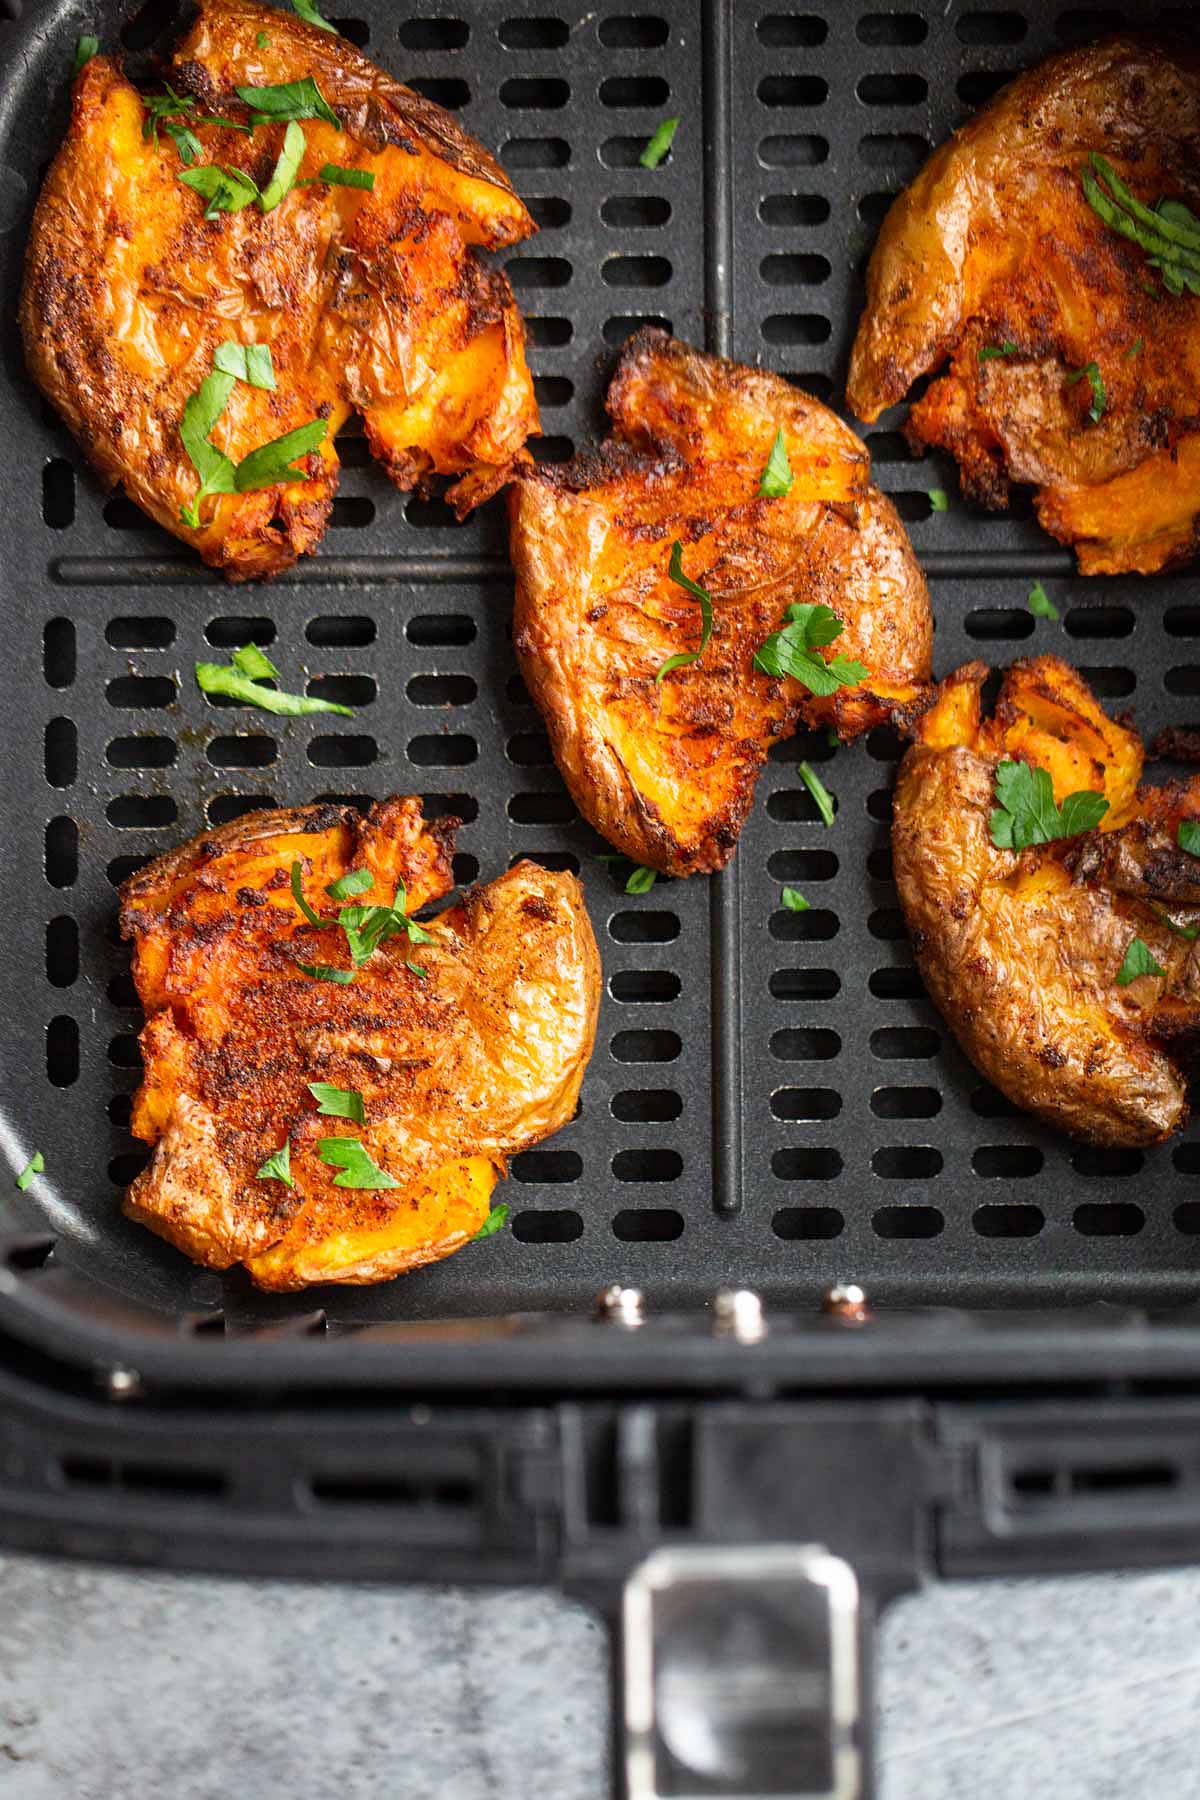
x: 1066, y: 361
x: 368, y: 298
x: 1032, y: 954
x: 663, y: 761
x: 449, y: 1050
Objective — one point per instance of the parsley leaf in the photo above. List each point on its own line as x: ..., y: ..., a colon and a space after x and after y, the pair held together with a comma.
x: 1135, y: 347
x: 278, y: 1166
x: 357, y: 1169
x: 939, y: 499
x: 252, y: 661
x: 1096, y: 383
x: 1027, y: 814
x: 1138, y: 960
x: 819, y: 792
x: 1188, y: 837
x: 794, y: 900
x: 35, y: 1166
x: 291, y: 100
x: 990, y: 352
x: 158, y: 107
x: 226, y: 190
x: 314, y: 918
x: 248, y: 362
x: 311, y: 16
x: 287, y: 167
x: 659, y: 144
x: 790, y: 651
x: 641, y: 880
x: 1040, y: 603
x: 262, y: 39
x: 367, y: 927
x: 325, y: 972
x: 338, y: 1103
x: 335, y: 175
x: 355, y: 881
x: 496, y: 1220
x: 273, y: 462
x: 1169, y: 232
x: 218, y: 678
x: 676, y: 574
x: 85, y: 49
x: 777, y: 478
x: 200, y: 413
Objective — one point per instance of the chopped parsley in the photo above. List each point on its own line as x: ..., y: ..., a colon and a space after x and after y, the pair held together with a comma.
x: 262, y: 39
x: 367, y: 927
x: 1040, y: 603
x: 496, y: 1220
x: 794, y: 900
x: 291, y: 100
x: 226, y: 190
x: 355, y: 881
x: 335, y: 175
x: 1188, y: 836
x: 1168, y: 232
x: 660, y: 142
x: 338, y: 1103
x: 287, y: 167
x: 990, y: 352
x: 326, y: 972
x: 250, y: 363
x: 1134, y: 348
x: 792, y: 651
x: 314, y: 918
x: 356, y: 1169
x: 1027, y: 815
x: 777, y: 478
x: 35, y: 1166
x: 819, y: 792
x: 85, y: 49
x: 676, y: 574
x: 311, y: 16
x: 1138, y: 960
x: 641, y: 880
x: 1096, y: 382
x: 234, y: 681
x: 278, y: 1166
x: 219, y: 474
x: 939, y: 499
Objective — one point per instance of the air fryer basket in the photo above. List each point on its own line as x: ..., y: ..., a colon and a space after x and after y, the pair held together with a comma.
x: 773, y: 1102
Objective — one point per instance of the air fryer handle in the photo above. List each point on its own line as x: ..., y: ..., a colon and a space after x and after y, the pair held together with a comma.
x: 743, y: 1670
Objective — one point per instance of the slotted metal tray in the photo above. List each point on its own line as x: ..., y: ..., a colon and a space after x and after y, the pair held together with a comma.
x: 772, y: 1099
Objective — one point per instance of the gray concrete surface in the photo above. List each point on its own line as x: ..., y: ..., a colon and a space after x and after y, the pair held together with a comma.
x: 134, y: 1687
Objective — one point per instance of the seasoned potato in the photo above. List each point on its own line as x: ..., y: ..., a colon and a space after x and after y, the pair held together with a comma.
x: 994, y: 269
x: 369, y: 301
x: 666, y: 769
x: 462, y: 1049
x: 1022, y: 950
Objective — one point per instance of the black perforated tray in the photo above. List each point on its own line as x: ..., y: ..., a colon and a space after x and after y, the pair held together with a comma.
x: 772, y: 1100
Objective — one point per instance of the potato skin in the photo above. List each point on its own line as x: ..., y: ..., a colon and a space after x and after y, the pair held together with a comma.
x: 1020, y: 952
x: 373, y: 302
x: 666, y: 771
x: 994, y: 243
x: 457, y: 1071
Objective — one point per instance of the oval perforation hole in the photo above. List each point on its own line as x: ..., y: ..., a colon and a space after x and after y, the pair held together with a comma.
x: 805, y: 1044
x: 58, y: 493
x: 791, y: 31
x: 635, y: 212
x: 441, y: 690
x: 907, y: 1162
x: 641, y: 986
x: 429, y: 512
x: 225, y: 807
x: 132, y: 691
x: 633, y: 31
x: 340, y: 632
x: 907, y: 1222
x: 905, y: 1042
x: 615, y: 331
x: 646, y: 1106
x: 62, y: 852
x: 648, y: 1046
x: 242, y: 751
x: 903, y: 983
x: 806, y: 1162
x: 141, y: 812
x: 906, y: 1103
x: 62, y: 1051
x: 547, y: 1166
x: 804, y: 984
x: 61, y: 752
x: 62, y: 951
x: 549, y: 333
x: 450, y: 91
x: 231, y: 631
x: 793, y: 90
x: 145, y: 752
x: 651, y: 926
x: 536, y: 153
x: 58, y: 653
x: 534, y: 93
x: 806, y: 1103
x: 808, y: 1223
x: 790, y: 270
x: 433, y: 34
x: 344, y: 690
x: 554, y: 1225
x: 1108, y: 1218
x: 793, y: 150
x: 140, y: 634
x: 1007, y: 1162
x: 1101, y: 621
x: 815, y: 926
x: 541, y: 809
x: 648, y: 1225
x: 634, y: 91
x: 998, y: 623
x: 991, y: 28
x: 892, y: 88
x: 435, y: 630
x: 635, y: 271
x: 901, y: 151
x: 1099, y: 1164
x: 1008, y: 1220
x: 647, y: 1165
x: 345, y: 750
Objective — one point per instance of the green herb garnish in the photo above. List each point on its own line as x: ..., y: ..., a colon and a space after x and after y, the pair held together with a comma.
x: 338, y: 1103
x: 777, y: 477
x: 220, y: 678
x: 326, y: 972
x: 292, y: 100
x: 250, y: 363
x: 1040, y: 603
x: 355, y: 881
x: 1169, y: 232
x: 1135, y: 347
x: 226, y: 190
x: 1138, y: 960
x: 287, y: 167
x: 85, y: 49
x: 334, y: 175
x: 35, y: 1166
x: 990, y: 352
x: 1096, y: 382
x: 792, y: 651
x: 659, y: 144
x: 311, y: 16
x: 1188, y: 836
x: 262, y: 39
x: 1027, y: 814
x: 1190, y: 932
x: 939, y: 499
x: 314, y: 918
x: 794, y: 900
x: 357, y: 1169
x: 819, y: 792
x: 496, y: 1220
x: 676, y: 574
x: 641, y: 880
x: 367, y: 927
x: 263, y: 467
x: 273, y: 462
x: 278, y: 1166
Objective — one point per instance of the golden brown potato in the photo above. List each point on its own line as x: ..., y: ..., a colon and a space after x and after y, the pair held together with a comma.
x: 369, y: 301
x: 464, y: 1049
x: 995, y: 247
x: 666, y: 770
x: 1021, y: 951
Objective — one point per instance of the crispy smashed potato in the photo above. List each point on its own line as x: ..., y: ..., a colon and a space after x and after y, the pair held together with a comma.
x: 369, y: 301
x: 994, y: 268
x: 1022, y: 951
x: 464, y: 1049
x: 666, y: 769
